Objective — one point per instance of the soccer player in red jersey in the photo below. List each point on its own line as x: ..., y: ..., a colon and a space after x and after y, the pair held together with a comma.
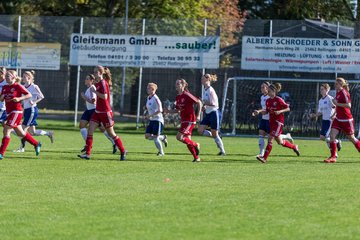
x: 103, y: 113
x: 343, y: 119
x: 13, y: 94
x: 185, y: 107
x: 276, y: 107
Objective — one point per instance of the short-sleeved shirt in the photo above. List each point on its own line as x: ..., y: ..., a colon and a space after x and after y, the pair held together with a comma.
x: 2, y: 84
x: 185, y: 104
x: 343, y: 114
x: 263, y: 106
x: 36, y: 94
x: 209, y: 95
x: 153, y: 105
x: 103, y: 105
x: 10, y: 92
x: 90, y: 95
x: 326, y: 107
x: 276, y: 104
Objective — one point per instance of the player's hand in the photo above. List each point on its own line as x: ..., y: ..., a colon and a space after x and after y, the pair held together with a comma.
x: 277, y: 112
x: 198, y: 119
x: 255, y: 113
x: 31, y: 102
x: 16, y: 99
x: 203, y: 108
x: 334, y: 101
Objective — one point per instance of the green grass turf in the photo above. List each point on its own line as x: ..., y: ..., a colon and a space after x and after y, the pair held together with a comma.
x: 59, y: 196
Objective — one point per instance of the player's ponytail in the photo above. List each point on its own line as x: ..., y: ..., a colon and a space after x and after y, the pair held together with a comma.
x: 107, y: 76
x: 343, y: 83
x: 211, y: 77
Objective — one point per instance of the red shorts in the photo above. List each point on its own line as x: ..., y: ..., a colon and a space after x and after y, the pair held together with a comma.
x: 14, y: 119
x: 106, y: 119
x: 347, y: 126
x: 186, y: 128
x: 276, y: 128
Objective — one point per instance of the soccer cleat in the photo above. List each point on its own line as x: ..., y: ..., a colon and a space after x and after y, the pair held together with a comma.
x: 38, y: 149
x: 1, y: 157
x: 123, y: 156
x: 338, y: 145
x: 289, y: 138
x: 221, y: 154
x: 165, y: 141
x: 261, y: 158
x: 19, y: 150
x: 197, y: 149
x: 160, y: 154
x: 114, y: 149
x: 51, y: 136
x: 83, y: 150
x: 296, y: 150
x: 330, y: 160
x: 196, y: 160
x: 84, y: 156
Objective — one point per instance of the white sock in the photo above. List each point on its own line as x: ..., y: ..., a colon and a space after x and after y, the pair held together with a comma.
x: 83, y: 132
x: 261, y: 145
x: 219, y: 144
x: 207, y: 133
x: 108, y: 137
x: 39, y: 132
x: 158, y: 145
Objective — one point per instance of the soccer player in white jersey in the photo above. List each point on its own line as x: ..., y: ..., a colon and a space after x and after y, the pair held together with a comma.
x: 90, y: 100
x: 156, y: 124
x: 3, y: 114
x: 326, y: 109
x: 31, y: 111
x: 211, y: 112
x: 264, y: 126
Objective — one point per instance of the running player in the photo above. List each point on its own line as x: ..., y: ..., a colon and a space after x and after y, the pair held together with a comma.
x: 2, y: 104
x: 185, y: 107
x: 343, y: 120
x: 31, y: 111
x: 264, y: 126
x: 156, y: 124
x: 326, y: 109
x: 13, y: 94
x: 276, y: 107
x: 90, y: 99
x: 103, y: 113
x: 211, y: 112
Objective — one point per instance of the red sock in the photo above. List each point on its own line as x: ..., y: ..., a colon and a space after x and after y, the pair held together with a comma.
x: 89, y: 143
x: 30, y: 139
x: 357, y: 145
x: 119, y: 144
x: 288, y: 144
x: 5, y: 142
x: 267, y: 150
x: 333, y: 149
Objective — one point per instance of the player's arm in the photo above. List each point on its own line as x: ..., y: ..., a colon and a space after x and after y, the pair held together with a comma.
x: 23, y: 97
x: 2, y: 97
x: 259, y: 111
x: 39, y: 96
x: 199, y: 106
x: 344, y: 105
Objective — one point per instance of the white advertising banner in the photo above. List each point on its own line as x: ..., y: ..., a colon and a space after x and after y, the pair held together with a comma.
x: 45, y: 56
x: 301, y: 54
x: 144, y: 51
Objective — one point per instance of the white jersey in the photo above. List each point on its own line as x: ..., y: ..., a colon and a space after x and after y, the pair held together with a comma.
x: 36, y: 94
x: 326, y: 107
x: 154, y: 105
x: 263, y: 106
x: 210, y: 96
x: 2, y: 104
x: 90, y: 95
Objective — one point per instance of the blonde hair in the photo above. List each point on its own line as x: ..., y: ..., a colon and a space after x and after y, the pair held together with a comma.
x: 91, y: 77
x: 105, y: 72
x: 153, y: 85
x: 13, y: 74
x: 2, y: 70
x: 343, y: 83
x: 275, y: 87
x: 211, y: 77
x: 183, y: 82
x: 31, y: 74
x: 326, y: 86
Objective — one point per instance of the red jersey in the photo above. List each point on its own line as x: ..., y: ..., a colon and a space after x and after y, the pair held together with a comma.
x: 103, y: 105
x: 276, y: 104
x: 10, y: 92
x: 185, y: 104
x: 343, y: 96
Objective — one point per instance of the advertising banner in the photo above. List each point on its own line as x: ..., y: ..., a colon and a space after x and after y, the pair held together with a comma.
x: 144, y: 51
x: 45, y: 56
x: 301, y: 54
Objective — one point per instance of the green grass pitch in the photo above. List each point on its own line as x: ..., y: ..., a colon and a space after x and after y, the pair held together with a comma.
x: 59, y: 196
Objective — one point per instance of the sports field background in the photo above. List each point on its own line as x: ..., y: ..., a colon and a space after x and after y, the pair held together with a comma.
x: 59, y: 196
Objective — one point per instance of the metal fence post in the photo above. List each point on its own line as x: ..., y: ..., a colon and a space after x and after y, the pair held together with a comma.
x: 140, y: 83
x: 78, y: 80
